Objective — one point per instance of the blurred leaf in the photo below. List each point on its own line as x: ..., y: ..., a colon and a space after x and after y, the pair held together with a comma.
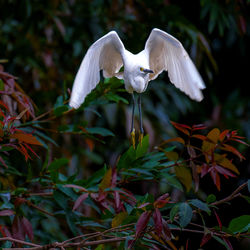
x: 181, y: 127
x: 28, y: 228
x: 173, y: 181
x: 158, y: 221
x: 185, y: 213
x: 58, y: 163
x: 1, y: 85
x: 58, y: 111
x: 240, y: 224
x: 201, y: 205
x: 172, y: 156
x: 224, y: 162
x: 71, y: 223
x: 173, y: 212
x: 7, y: 212
x: 27, y: 138
x: 106, y: 181
x: 142, y: 222
x: 115, y: 98
x: 211, y: 198
x: 100, y: 131
x: 233, y: 150
x: 127, y: 158
x: 184, y: 175
x: 118, y: 219
x: 221, y: 241
x: 142, y: 147
x: 213, y: 136
x: 206, y: 237
x: 61, y: 199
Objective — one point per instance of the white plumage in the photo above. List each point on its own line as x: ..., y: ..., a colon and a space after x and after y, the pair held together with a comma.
x: 162, y: 52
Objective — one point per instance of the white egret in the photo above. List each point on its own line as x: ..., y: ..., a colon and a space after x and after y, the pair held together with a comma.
x: 162, y: 52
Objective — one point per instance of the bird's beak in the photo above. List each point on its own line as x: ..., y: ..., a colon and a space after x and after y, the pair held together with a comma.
x: 148, y: 71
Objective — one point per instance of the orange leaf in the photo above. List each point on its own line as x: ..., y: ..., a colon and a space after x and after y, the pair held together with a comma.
x: 201, y: 137
x: 183, y: 128
x: 224, y: 162
x: 27, y: 138
x: 177, y: 139
x: 233, y: 150
x: 90, y: 144
x: 223, y: 134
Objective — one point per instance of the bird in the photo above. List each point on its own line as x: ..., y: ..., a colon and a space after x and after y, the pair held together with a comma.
x: 162, y: 52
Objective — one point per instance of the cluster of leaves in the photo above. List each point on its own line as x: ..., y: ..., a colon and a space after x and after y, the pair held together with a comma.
x: 11, y: 136
x: 105, y: 204
x: 210, y: 158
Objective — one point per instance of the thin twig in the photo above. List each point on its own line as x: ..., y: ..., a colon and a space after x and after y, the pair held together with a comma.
x: 40, y: 209
x: 233, y: 195
x: 19, y: 241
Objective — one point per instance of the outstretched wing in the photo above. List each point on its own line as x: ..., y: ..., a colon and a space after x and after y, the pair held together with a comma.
x: 167, y: 53
x: 105, y: 54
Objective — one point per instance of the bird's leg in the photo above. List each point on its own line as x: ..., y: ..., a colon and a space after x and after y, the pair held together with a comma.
x: 132, y: 132
x: 140, y: 117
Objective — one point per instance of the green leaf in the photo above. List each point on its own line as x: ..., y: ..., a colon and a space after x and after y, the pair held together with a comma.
x: 174, y: 211
x: 173, y: 181
x: 211, y: 198
x: 1, y: 85
x: 201, y: 205
x: 127, y: 158
x: 239, y: 224
x: 60, y: 110
x: 221, y: 242
x: 115, y: 98
x: 185, y: 213
x: 59, y: 107
x: 70, y: 220
x: 96, y: 177
x: 68, y: 191
x: 61, y: 199
x: 58, y: 163
x: 59, y: 101
x: 142, y: 147
x: 100, y: 131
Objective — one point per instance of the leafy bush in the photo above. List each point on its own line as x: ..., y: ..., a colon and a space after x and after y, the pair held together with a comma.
x: 47, y: 207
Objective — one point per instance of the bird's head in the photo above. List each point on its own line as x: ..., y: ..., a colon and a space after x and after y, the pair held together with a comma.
x: 145, y: 71
x: 141, y: 78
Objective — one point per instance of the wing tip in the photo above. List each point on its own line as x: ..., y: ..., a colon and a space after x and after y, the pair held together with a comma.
x: 74, y: 104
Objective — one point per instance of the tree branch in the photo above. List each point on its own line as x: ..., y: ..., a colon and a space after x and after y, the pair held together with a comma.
x: 233, y: 195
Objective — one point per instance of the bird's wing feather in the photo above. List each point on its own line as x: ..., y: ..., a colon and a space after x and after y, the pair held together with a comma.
x: 167, y: 53
x: 105, y: 54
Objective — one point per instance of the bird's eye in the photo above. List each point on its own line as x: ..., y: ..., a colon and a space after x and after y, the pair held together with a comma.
x: 141, y: 69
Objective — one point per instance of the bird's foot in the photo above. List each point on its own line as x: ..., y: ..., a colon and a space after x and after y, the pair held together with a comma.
x: 140, y: 137
x: 133, y: 137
